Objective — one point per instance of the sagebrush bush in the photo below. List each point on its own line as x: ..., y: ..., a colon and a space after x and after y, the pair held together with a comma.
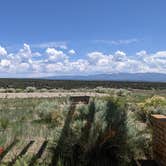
x: 43, y: 90
x: 2, y: 90
x: 10, y: 90
x: 153, y: 105
x: 18, y: 90
x: 108, y: 128
x: 30, y: 89
x: 45, y: 109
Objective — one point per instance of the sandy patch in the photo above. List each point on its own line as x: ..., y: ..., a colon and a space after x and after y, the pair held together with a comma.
x: 49, y: 94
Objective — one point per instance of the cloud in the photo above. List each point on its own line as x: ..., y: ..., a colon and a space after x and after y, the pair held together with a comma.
x: 120, y: 62
x: 61, y: 45
x: 117, y: 42
x: 55, y: 55
x: 55, y: 67
x: 127, y: 41
x: 5, y: 63
x: 71, y: 52
x: 120, y: 56
x: 54, y: 61
x: 25, y: 52
x: 160, y: 54
x: 80, y: 65
x: 141, y: 53
x: 3, y: 51
x: 96, y: 57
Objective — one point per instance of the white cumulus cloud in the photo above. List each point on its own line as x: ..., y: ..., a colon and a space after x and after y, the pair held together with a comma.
x: 54, y: 61
x: 55, y: 55
x: 3, y: 51
x: 5, y: 63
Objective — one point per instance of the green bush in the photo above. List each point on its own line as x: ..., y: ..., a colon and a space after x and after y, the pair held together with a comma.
x: 10, y: 90
x: 2, y: 90
x: 4, y: 122
x: 153, y: 105
x: 30, y: 89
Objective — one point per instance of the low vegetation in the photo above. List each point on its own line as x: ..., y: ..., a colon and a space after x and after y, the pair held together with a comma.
x: 110, y: 130
x: 70, y: 84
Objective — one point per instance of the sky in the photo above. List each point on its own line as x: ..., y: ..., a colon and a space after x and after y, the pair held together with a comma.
x: 81, y: 37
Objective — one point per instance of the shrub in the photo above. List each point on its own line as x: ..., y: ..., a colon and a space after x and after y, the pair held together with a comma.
x: 18, y: 90
x: 51, y: 112
x: 54, y: 90
x: 10, y: 90
x: 4, y: 122
x: 139, y: 137
x: 30, y: 89
x: 43, y: 90
x: 2, y: 90
x: 153, y: 105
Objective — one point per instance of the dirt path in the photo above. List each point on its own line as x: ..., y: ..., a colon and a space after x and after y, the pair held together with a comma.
x: 49, y: 94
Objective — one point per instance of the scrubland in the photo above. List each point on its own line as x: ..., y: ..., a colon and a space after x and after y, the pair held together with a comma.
x: 114, y: 128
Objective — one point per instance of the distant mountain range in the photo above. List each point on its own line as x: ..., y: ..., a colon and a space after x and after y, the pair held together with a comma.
x: 148, y: 77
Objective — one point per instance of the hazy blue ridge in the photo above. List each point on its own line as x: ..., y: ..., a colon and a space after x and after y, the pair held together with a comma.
x: 149, y: 77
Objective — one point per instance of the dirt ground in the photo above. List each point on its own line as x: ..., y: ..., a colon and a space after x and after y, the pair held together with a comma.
x: 49, y: 94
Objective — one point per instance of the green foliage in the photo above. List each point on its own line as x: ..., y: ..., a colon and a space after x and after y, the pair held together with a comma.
x: 69, y: 84
x: 10, y: 90
x: 153, y: 105
x: 30, y: 89
x: 18, y: 90
x: 4, y: 122
x: 44, y: 90
x: 24, y: 161
x: 21, y: 162
x: 139, y: 137
x: 2, y: 90
x: 112, y: 126
x: 60, y: 162
x: 45, y: 109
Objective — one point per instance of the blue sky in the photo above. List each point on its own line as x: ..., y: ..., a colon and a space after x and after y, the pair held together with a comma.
x: 54, y: 37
